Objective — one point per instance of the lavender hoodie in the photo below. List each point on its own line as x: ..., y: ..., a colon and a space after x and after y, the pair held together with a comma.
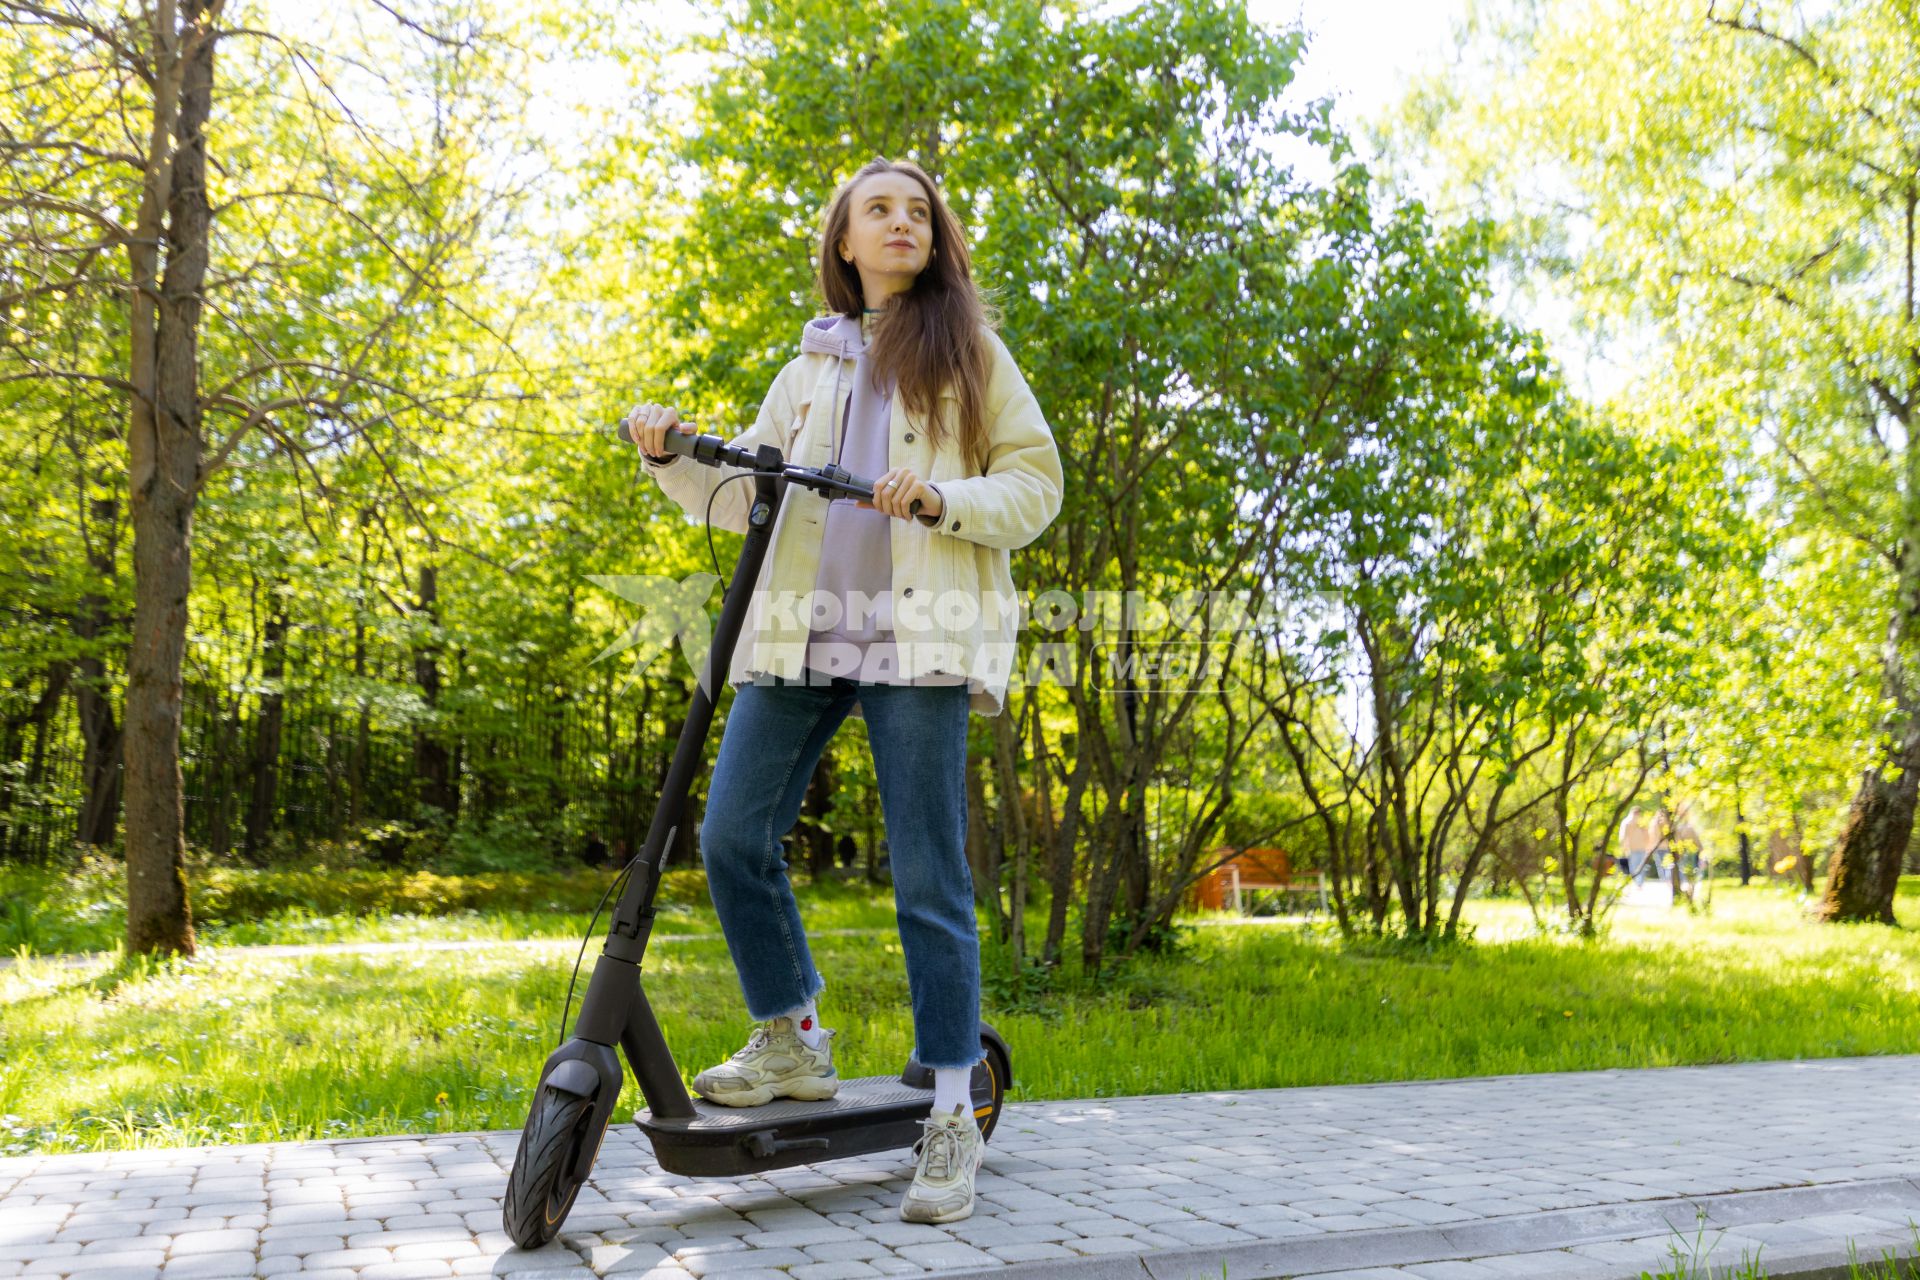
x: 856, y: 557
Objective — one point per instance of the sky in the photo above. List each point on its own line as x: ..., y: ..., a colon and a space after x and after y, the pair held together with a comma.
x: 1362, y: 52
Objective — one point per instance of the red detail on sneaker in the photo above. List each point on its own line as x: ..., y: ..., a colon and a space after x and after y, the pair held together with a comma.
x: 806, y: 1024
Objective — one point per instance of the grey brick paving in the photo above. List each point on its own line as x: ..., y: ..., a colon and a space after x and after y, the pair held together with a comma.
x: 1591, y: 1174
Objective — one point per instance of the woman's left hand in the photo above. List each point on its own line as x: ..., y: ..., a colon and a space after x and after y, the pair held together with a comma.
x: 895, y: 490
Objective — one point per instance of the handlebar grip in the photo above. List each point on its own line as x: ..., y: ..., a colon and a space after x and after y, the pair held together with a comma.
x: 862, y: 482
x: 677, y: 442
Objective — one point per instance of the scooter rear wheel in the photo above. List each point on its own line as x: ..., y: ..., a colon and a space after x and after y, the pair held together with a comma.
x: 541, y: 1188
x: 1000, y: 1074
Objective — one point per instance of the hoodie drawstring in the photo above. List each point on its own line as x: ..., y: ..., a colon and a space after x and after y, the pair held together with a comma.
x: 833, y: 428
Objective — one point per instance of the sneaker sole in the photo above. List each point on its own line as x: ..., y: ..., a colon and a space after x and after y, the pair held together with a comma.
x: 812, y: 1089
x: 953, y: 1215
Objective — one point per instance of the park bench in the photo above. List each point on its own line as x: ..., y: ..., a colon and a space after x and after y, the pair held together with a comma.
x: 1231, y: 885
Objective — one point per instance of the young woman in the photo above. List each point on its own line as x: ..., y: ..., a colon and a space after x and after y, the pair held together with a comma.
x: 899, y: 615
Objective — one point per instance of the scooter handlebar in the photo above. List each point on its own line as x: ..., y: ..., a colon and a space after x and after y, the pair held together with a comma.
x: 701, y: 448
x: 716, y: 452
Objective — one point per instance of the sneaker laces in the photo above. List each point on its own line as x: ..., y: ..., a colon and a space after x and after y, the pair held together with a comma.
x: 939, y: 1149
x: 762, y: 1036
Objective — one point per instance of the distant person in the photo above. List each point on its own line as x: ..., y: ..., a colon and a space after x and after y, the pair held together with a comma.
x: 595, y: 854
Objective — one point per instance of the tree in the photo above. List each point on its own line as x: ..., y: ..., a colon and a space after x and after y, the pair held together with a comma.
x: 236, y: 331
x: 1735, y: 185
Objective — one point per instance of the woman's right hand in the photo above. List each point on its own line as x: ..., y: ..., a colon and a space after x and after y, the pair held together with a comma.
x: 649, y: 423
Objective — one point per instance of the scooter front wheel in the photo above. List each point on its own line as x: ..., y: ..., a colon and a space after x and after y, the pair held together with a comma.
x: 541, y: 1188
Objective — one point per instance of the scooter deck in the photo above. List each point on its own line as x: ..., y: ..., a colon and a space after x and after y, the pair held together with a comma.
x: 869, y: 1113
x: 856, y: 1095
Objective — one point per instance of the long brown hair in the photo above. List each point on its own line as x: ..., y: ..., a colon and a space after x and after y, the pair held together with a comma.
x: 929, y: 337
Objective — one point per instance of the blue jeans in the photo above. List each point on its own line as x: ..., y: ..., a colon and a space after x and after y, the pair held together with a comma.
x: 774, y: 736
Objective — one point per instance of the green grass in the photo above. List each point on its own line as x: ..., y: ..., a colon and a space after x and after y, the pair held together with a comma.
x: 253, y: 1048
x: 1691, y: 1262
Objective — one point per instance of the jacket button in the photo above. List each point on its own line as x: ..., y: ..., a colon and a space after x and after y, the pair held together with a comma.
x: 956, y: 526
x: 907, y: 592
x: 909, y: 437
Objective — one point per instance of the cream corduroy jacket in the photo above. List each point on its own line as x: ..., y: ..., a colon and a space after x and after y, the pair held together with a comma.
x: 954, y: 607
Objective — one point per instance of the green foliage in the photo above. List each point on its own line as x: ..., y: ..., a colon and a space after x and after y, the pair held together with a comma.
x: 1034, y: 990
x: 506, y: 842
x: 1724, y: 200
x: 1162, y: 938
x: 1258, y: 378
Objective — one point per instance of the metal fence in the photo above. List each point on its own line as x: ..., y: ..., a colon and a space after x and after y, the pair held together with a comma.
x: 347, y: 756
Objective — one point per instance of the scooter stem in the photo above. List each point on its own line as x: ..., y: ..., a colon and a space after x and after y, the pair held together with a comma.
x: 614, y: 1010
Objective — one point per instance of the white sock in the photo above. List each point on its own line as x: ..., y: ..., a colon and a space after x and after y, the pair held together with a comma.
x: 952, y: 1088
x: 806, y: 1025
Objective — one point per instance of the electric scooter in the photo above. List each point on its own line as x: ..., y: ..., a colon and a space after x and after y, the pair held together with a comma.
x: 582, y: 1079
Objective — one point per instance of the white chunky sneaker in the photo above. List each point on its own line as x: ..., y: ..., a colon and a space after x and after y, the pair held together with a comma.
x: 776, y: 1063
x: 950, y: 1152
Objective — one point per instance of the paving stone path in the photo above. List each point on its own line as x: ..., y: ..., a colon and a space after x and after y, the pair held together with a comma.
x: 1581, y: 1176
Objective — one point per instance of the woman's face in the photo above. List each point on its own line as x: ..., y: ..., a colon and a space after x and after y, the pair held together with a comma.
x: 889, y: 231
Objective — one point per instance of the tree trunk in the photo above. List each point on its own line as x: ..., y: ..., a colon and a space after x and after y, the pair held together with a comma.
x: 1103, y: 884
x: 638, y: 811
x: 1060, y: 859
x: 674, y: 724
x: 163, y: 454
x: 1746, y: 846
x: 99, y: 730
x: 1136, y: 866
x: 100, y: 774
x: 983, y: 863
x: 216, y: 767
x: 1864, y: 870
x: 432, y: 765
x: 811, y: 830
x: 1043, y: 792
x: 363, y: 721
x: 1013, y: 831
x: 873, y: 838
x: 264, y: 788
x: 334, y: 761
x: 27, y: 774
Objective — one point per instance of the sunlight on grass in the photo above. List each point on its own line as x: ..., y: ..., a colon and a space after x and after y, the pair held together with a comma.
x: 51, y: 912
x: 248, y: 1048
